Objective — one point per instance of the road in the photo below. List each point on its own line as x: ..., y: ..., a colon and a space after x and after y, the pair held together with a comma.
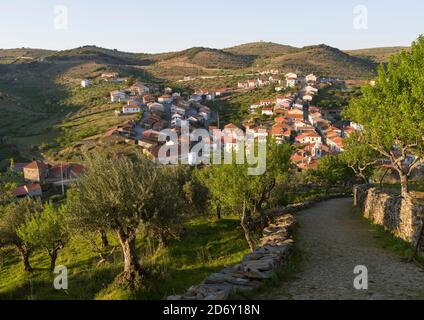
x: 333, y: 241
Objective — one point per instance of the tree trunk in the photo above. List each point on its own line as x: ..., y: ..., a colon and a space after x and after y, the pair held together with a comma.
x: 218, y: 212
x: 53, y: 258
x: 163, y: 243
x: 404, y: 184
x: 132, y: 268
x: 24, y: 252
x: 363, y: 177
x: 245, y: 224
x: 105, y: 241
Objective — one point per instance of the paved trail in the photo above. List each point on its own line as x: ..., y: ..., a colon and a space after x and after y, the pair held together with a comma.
x: 333, y: 240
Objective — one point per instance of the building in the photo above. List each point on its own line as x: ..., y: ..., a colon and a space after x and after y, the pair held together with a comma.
x: 309, y: 138
x: 139, y: 88
x: 291, y: 79
x: 131, y: 109
x: 36, y: 171
x: 311, y: 78
x: 85, y: 83
x: 118, y: 96
x: 29, y: 190
x: 165, y: 99
x: 268, y: 111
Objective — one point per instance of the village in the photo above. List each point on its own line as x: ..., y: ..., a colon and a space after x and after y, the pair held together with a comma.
x: 290, y: 118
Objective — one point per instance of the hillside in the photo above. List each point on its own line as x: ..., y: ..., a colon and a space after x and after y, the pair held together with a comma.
x: 261, y: 49
x: 325, y: 61
x: 22, y: 55
x: 376, y: 55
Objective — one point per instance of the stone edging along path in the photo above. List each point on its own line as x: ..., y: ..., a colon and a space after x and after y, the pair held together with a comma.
x: 258, y: 266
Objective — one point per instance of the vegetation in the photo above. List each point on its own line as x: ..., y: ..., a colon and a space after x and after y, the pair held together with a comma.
x: 391, y: 112
x: 332, y: 171
x: 360, y: 157
x: 12, y: 218
x: 231, y: 186
x: 45, y: 230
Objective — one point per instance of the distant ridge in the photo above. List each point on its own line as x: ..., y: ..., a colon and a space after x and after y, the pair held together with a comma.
x: 321, y: 59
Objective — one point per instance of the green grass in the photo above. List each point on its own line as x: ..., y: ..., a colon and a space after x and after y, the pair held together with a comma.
x: 205, y: 247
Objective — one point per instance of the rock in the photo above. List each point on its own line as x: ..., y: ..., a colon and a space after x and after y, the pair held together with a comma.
x: 174, y: 298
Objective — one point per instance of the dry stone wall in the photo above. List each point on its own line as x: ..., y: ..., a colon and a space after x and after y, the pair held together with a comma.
x: 402, y: 216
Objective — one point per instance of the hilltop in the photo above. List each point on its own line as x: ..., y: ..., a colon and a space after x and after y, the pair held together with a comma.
x: 261, y: 49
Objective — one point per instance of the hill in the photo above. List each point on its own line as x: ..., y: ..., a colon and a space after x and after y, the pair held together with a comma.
x: 376, y: 55
x: 325, y: 61
x: 261, y: 49
x: 22, y: 55
x: 206, y: 58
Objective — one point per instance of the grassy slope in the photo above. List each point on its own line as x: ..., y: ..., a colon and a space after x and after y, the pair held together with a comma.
x: 324, y: 61
x: 261, y: 49
x: 206, y: 247
x: 376, y: 55
x: 44, y: 101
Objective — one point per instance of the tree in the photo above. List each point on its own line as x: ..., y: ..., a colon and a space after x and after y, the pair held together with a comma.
x: 360, y: 157
x: 391, y: 112
x: 332, y: 171
x: 12, y: 217
x: 167, y: 215
x: 46, y: 230
x: 234, y: 188
x: 7, y: 185
x: 116, y: 193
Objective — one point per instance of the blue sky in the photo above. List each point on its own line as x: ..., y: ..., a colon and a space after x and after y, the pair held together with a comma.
x: 167, y: 25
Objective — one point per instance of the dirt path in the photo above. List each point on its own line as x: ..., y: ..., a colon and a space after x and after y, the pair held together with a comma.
x: 333, y: 241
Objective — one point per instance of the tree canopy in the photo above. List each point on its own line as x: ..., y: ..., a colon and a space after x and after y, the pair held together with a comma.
x: 391, y: 111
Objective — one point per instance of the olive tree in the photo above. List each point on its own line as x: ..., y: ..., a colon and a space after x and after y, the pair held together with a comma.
x: 391, y: 112
x: 234, y: 188
x: 360, y: 157
x: 47, y: 231
x: 168, y: 206
x: 12, y: 217
x: 117, y: 194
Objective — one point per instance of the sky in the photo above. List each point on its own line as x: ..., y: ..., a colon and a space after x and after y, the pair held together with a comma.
x: 170, y: 25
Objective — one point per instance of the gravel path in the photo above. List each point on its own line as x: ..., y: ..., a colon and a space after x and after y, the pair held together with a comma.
x: 333, y: 241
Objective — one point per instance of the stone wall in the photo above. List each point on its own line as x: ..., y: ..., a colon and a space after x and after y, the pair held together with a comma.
x: 402, y: 216
x: 255, y: 268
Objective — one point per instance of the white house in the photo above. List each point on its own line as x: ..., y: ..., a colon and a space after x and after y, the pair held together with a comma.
x: 291, y: 79
x: 131, y: 109
x: 311, y: 90
x: 309, y: 138
x: 118, y: 96
x: 165, y: 99
x: 308, y: 97
x: 311, y: 78
x: 140, y: 88
x: 85, y: 83
x: 156, y: 107
x: 267, y: 111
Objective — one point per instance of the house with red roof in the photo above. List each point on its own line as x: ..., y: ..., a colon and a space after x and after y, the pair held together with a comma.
x: 29, y: 190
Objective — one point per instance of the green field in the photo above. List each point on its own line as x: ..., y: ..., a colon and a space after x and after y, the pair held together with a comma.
x: 205, y: 247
